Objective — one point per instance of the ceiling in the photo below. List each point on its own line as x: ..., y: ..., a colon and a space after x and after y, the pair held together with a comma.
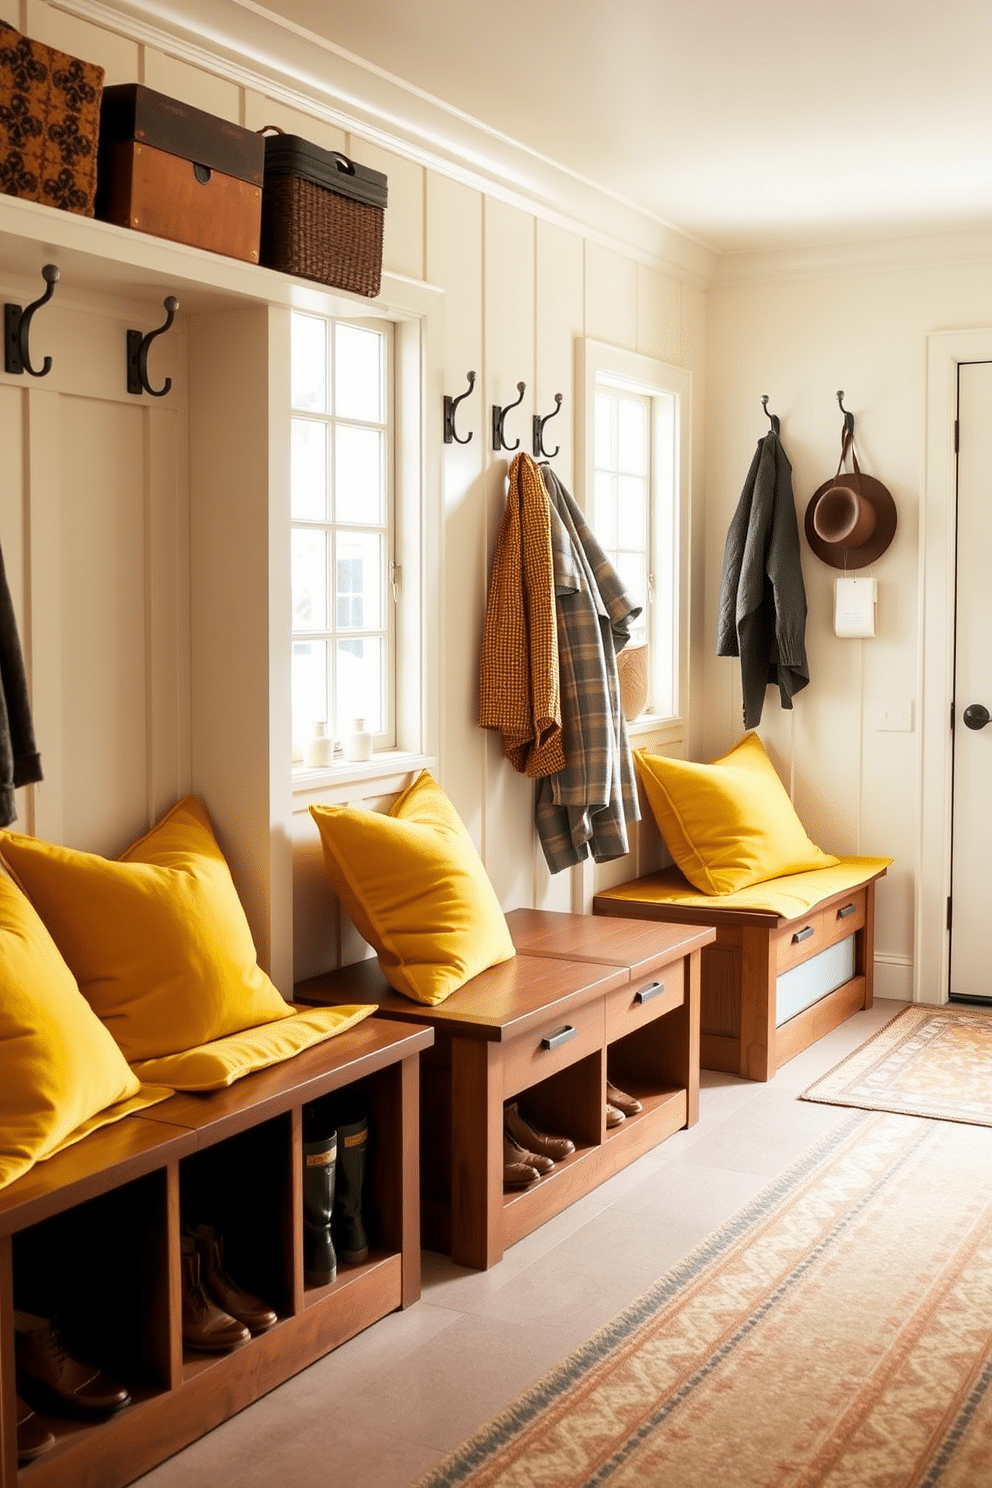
x: 743, y: 126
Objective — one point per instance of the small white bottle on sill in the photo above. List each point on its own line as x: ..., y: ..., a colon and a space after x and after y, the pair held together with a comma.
x: 321, y: 747
x: 358, y: 744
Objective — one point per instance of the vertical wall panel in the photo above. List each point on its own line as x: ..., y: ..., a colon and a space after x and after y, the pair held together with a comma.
x: 659, y: 315
x: 403, y: 228
x: 104, y: 662
x: 14, y: 546
x: 203, y: 90
x: 454, y: 261
x: 115, y: 54
x: 611, y: 297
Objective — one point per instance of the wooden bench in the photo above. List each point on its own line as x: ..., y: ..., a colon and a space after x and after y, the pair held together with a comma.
x: 757, y: 1009
x: 93, y: 1234
x: 582, y: 1000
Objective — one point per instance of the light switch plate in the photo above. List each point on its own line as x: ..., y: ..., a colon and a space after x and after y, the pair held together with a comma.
x: 895, y: 716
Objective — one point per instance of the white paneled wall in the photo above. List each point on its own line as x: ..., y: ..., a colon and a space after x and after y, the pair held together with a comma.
x: 133, y: 705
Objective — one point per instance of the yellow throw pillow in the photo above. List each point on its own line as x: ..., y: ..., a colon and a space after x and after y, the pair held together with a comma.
x: 416, y: 889
x: 728, y: 824
x: 61, y: 1074
x: 158, y: 941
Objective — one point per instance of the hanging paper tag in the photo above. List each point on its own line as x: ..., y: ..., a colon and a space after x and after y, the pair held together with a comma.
x: 854, y: 607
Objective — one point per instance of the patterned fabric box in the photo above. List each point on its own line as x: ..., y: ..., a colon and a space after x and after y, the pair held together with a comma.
x: 49, y: 123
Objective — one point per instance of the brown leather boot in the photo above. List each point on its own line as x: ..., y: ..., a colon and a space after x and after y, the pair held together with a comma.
x: 206, y: 1326
x: 222, y: 1288
x: 46, y: 1370
x: 533, y: 1140
x: 518, y: 1171
x: 33, y: 1436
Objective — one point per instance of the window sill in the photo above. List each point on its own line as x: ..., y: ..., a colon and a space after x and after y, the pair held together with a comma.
x: 388, y: 770
x: 658, y: 730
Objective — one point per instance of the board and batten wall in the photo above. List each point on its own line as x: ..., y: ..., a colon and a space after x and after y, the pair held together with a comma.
x: 94, y: 505
x: 855, y: 322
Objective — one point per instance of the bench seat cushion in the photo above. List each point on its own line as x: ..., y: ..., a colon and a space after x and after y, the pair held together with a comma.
x: 789, y: 896
x: 214, y: 1065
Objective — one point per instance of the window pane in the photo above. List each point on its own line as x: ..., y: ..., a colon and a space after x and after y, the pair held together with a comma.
x: 604, y: 509
x: 359, y: 485
x: 308, y: 364
x: 309, y: 575
x: 309, y: 683
x: 308, y: 471
x: 358, y: 356
x: 632, y: 512
x: 632, y: 427
x: 359, y: 580
x: 606, y: 452
x: 633, y: 571
x: 360, y: 684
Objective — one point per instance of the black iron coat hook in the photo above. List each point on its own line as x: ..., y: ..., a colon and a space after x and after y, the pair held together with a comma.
x: 17, y: 329
x: 499, y: 414
x: 137, y: 354
x: 450, y: 404
x: 776, y: 422
x: 540, y: 453
x: 848, y: 417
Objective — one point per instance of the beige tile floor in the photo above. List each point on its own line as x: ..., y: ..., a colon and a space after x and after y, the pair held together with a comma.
x: 390, y: 1403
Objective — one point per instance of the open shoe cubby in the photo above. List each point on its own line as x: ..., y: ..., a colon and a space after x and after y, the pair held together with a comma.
x: 92, y: 1237
x: 583, y: 1001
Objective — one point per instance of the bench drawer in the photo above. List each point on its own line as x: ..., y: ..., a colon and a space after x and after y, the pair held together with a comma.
x: 536, y: 1055
x: 650, y: 997
x: 799, y: 940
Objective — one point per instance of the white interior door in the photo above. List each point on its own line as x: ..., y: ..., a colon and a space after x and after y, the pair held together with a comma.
x: 971, y: 866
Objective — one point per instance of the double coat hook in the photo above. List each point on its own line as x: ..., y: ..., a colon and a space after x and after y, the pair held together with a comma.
x: 450, y: 405
x: 540, y: 453
x: 17, y: 330
x: 499, y: 414
x: 137, y: 354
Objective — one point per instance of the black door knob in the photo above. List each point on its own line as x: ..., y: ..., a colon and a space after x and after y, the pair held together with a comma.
x: 976, y: 716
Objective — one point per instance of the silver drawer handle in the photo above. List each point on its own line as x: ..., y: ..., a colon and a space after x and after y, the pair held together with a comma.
x: 803, y: 934
x: 842, y: 914
x: 654, y: 989
x: 555, y: 1040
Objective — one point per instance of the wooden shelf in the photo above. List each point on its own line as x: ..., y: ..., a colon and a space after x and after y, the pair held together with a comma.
x: 93, y: 1234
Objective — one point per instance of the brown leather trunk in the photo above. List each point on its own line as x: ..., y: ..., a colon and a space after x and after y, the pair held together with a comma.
x: 155, y: 192
x: 175, y: 171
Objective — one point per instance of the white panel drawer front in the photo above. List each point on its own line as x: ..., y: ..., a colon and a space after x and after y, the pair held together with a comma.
x: 807, y: 983
x: 553, y: 1047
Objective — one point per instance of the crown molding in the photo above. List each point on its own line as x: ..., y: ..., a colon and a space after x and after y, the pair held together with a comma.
x: 880, y: 255
x: 243, y: 42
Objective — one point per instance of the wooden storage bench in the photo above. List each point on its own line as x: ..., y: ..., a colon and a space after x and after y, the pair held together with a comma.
x: 93, y: 1234
x: 582, y: 1000
x: 757, y: 1008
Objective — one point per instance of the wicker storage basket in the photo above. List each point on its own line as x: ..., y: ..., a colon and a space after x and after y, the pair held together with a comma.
x: 322, y: 215
x: 49, y: 123
x: 632, y: 666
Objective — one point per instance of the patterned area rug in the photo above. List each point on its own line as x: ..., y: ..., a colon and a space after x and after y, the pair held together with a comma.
x: 929, y: 1061
x: 833, y: 1334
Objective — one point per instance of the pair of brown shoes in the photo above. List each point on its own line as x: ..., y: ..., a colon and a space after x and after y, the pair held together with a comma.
x: 48, y: 1375
x: 528, y: 1153
x: 218, y: 1314
x: 619, y: 1105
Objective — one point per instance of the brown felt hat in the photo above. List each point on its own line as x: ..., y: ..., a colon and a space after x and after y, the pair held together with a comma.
x: 850, y: 519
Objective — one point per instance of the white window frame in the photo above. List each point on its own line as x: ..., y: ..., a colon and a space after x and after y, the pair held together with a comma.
x: 601, y: 365
x: 415, y: 311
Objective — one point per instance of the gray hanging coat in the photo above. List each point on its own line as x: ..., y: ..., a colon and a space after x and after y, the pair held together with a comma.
x: 20, y: 763
x: 762, y: 597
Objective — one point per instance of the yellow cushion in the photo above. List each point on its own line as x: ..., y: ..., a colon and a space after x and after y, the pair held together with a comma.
x: 416, y: 889
x: 61, y: 1074
x: 158, y: 941
x: 214, y: 1065
x: 728, y: 824
x: 788, y: 898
